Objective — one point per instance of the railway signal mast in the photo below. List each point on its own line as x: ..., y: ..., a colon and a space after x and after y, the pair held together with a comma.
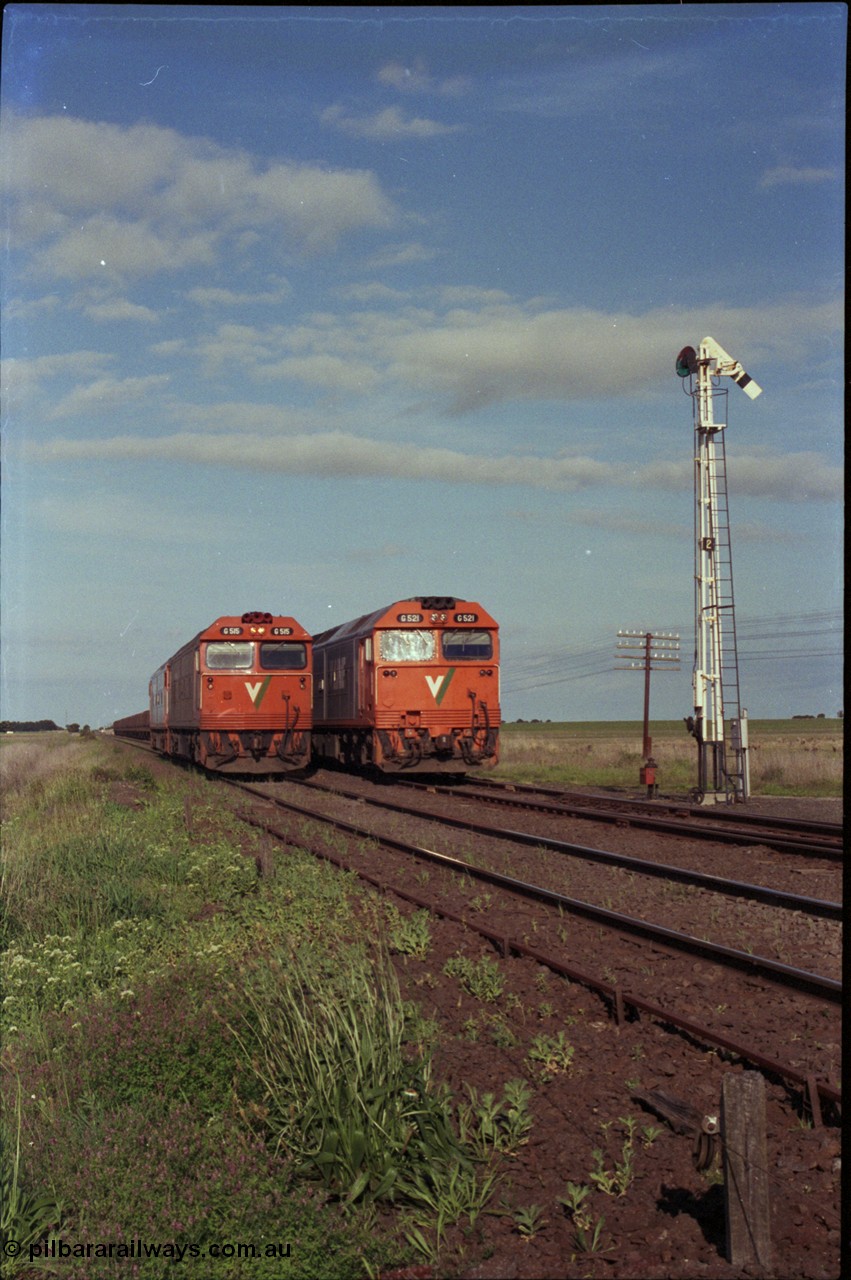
x: 723, y: 774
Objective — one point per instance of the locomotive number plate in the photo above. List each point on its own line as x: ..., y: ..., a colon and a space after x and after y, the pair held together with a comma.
x: 409, y: 617
x: 282, y: 631
x: 466, y: 617
x: 231, y: 631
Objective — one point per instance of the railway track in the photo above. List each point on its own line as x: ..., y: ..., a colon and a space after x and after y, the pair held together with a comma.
x: 706, y: 991
x: 827, y: 992
x: 770, y: 970
x: 736, y: 888
x: 818, y: 839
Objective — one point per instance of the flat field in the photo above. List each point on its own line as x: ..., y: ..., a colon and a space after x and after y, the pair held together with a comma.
x: 787, y: 757
x: 163, y: 1079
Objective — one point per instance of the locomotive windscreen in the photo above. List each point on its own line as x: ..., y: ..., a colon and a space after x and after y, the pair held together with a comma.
x: 225, y: 655
x: 406, y: 646
x: 283, y: 656
x: 475, y: 645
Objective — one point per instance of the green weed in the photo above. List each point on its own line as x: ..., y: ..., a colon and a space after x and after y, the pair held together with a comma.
x: 325, y: 1036
x: 25, y: 1218
x: 529, y: 1220
x: 616, y: 1181
x: 482, y: 978
x: 489, y: 1125
x: 409, y: 935
x: 550, y: 1055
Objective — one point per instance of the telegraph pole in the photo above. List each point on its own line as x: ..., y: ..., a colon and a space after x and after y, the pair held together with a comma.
x: 656, y: 651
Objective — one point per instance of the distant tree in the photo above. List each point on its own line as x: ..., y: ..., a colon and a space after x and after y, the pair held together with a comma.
x: 820, y: 716
x: 72, y: 728
x: 27, y: 726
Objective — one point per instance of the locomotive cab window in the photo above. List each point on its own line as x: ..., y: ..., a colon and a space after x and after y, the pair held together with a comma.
x: 283, y: 656
x: 223, y: 655
x: 477, y: 646
x: 406, y: 646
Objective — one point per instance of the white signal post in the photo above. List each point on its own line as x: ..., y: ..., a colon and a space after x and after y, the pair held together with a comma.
x: 720, y: 777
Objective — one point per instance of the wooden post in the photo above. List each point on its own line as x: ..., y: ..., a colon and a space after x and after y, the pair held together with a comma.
x: 746, y: 1170
x: 814, y: 1101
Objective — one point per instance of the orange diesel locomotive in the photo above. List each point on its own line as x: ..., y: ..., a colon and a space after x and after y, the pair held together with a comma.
x: 235, y: 699
x: 412, y: 686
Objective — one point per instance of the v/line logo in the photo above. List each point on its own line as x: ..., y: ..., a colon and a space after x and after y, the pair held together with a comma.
x: 439, y: 685
x: 257, y: 691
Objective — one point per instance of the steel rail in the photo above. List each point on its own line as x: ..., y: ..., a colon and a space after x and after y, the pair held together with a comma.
x: 619, y: 999
x: 820, y: 907
x: 669, y: 804
x: 772, y: 970
x: 648, y: 821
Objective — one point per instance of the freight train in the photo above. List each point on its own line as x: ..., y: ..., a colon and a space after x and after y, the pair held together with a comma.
x: 414, y: 685
x: 235, y: 699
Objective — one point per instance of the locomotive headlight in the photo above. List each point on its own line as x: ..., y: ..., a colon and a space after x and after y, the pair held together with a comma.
x: 387, y: 672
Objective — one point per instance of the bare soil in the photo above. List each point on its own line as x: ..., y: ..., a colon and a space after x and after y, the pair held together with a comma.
x: 669, y: 1221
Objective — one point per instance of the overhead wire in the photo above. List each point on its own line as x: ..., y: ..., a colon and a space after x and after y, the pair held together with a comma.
x: 561, y: 666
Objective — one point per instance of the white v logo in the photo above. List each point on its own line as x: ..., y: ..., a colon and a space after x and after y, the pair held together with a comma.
x: 254, y: 689
x: 434, y: 683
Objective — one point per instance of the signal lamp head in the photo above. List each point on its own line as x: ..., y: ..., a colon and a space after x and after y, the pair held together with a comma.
x: 686, y: 362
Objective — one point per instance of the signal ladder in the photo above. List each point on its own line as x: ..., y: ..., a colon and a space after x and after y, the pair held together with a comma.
x: 717, y: 619
x: 722, y: 773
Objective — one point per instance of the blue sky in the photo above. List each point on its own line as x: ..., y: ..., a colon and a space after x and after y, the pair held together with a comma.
x: 309, y: 310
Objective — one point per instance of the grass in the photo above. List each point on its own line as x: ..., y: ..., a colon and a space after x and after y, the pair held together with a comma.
x: 195, y: 1053
x: 787, y: 757
x: 131, y: 939
x: 158, y: 995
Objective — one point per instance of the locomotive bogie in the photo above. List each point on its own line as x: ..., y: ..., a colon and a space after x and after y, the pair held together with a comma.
x: 412, y: 686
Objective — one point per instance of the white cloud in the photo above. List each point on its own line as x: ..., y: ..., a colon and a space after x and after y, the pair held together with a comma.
x: 372, y: 291
x: 477, y: 347
x: 107, y: 394
x: 25, y: 379
x: 269, y: 420
x: 100, y: 200
x: 415, y: 78
x: 208, y: 296
x: 791, y: 477
x: 401, y: 255
x: 499, y: 353
x: 327, y: 371
x: 120, y: 309
x: 113, y: 249
x: 386, y: 125
x: 791, y: 175
x: 582, y: 87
